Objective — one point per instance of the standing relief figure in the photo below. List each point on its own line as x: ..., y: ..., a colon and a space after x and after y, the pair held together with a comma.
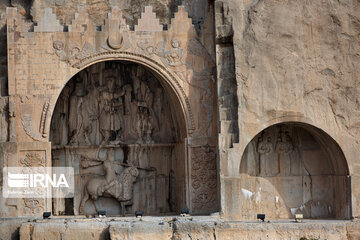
x: 145, y: 113
x: 91, y: 107
x: 130, y: 114
x: 112, y: 108
x: 264, y: 146
x: 284, y: 143
x: 77, y: 115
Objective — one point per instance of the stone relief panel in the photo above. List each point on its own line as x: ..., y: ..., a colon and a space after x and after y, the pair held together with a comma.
x: 287, y: 170
x: 204, y: 179
x: 114, y: 123
x: 30, y: 117
x: 36, y: 154
x: 32, y: 158
x: 113, y: 102
x: 119, y: 186
x: 108, y: 178
x: 33, y: 206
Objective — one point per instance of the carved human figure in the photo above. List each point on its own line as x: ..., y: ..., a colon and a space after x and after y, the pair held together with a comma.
x: 75, y: 54
x: 111, y: 117
x: 76, y: 114
x: 264, y: 145
x: 91, y: 108
x: 60, y: 50
x: 145, y: 113
x: 174, y: 56
x: 206, y: 109
x: 107, y: 160
x: 171, y: 56
x: 284, y: 143
x: 144, y: 125
x: 130, y: 115
x: 264, y: 148
x: 158, y: 102
x: 119, y: 186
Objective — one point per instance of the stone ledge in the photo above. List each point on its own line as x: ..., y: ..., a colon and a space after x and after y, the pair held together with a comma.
x: 175, y: 228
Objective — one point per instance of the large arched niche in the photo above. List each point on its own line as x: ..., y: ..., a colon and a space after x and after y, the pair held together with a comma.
x: 294, y: 168
x: 121, y: 114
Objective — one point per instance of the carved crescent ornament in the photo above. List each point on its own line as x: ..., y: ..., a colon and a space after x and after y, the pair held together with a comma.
x: 115, y: 39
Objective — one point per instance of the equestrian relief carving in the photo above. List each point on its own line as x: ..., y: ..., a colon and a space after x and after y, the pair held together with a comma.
x: 118, y: 185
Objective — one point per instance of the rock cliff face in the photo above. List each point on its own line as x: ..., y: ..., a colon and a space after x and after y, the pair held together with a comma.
x: 277, y: 61
x: 294, y: 61
x: 299, y: 58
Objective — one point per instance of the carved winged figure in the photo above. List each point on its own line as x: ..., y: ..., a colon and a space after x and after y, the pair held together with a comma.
x: 171, y: 56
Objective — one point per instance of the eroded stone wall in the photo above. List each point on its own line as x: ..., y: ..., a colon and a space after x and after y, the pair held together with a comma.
x: 294, y: 61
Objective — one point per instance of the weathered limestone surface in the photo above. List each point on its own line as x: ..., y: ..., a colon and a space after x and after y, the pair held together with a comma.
x: 178, y: 228
x: 65, y: 230
x: 141, y: 230
x: 287, y: 170
x: 294, y: 61
x: 9, y: 228
x: 277, y: 61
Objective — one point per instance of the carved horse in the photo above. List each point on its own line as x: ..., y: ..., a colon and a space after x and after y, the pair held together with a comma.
x: 121, y: 189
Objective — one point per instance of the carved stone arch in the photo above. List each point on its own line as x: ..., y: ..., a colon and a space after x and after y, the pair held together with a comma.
x: 260, y: 127
x: 166, y: 77
x: 44, y: 76
x: 255, y: 130
x: 292, y: 160
x: 306, y: 123
x: 182, y: 118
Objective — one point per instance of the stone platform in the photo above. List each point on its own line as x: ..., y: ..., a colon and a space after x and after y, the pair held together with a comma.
x: 174, y: 227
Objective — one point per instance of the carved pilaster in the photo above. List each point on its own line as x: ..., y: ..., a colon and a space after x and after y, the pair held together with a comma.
x: 203, y: 169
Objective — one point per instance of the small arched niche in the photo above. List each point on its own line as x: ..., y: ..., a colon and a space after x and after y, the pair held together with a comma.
x: 294, y: 168
x: 121, y: 128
